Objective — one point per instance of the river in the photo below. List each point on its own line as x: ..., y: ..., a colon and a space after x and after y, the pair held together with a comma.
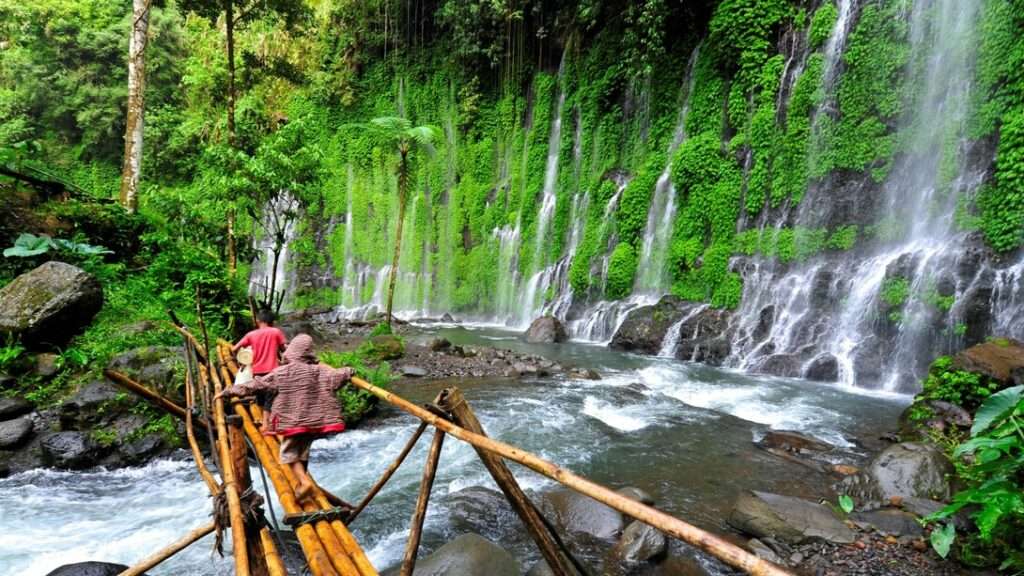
x: 682, y: 432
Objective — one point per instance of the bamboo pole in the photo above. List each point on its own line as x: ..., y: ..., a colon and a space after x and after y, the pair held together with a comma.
x: 176, y: 324
x: 420, y: 513
x: 227, y: 473
x: 388, y: 473
x: 452, y: 401
x: 723, y: 550
x: 124, y: 381
x: 316, y: 556
x: 275, y: 566
x: 159, y: 556
x: 190, y: 433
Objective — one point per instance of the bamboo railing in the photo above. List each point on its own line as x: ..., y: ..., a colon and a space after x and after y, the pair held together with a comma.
x: 328, y: 546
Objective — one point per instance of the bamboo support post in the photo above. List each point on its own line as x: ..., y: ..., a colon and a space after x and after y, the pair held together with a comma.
x: 723, y: 550
x: 190, y: 433
x: 124, y: 381
x: 156, y: 558
x: 227, y: 472
x: 275, y: 566
x: 388, y: 473
x: 452, y: 401
x: 420, y: 514
x: 309, y: 539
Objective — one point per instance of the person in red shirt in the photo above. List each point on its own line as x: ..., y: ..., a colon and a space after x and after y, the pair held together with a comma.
x: 267, y: 342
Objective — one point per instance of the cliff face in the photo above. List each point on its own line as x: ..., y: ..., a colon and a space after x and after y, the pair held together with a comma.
x: 826, y: 175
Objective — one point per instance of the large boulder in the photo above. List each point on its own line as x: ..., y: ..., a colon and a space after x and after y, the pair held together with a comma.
x: 89, y: 569
x: 12, y: 407
x: 158, y: 367
x: 902, y: 471
x: 13, y: 433
x: 824, y: 368
x: 640, y: 543
x: 71, y: 450
x: 92, y: 404
x: 386, y: 347
x: 644, y: 328
x: 574, y: 512
x: 703, y: 336
x: 468, y: 554
x: 998, y: 359
x: 50, y: 304
x: 786, y: 518
x: 481, y: 510
x: 546, y: 330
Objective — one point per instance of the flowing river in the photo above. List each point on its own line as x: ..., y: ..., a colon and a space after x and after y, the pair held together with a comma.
x: 682, y: 432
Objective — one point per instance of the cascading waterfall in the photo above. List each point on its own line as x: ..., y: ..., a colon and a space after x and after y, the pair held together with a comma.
x: 273, y: 273
x: 873, y: 315
x: 652, y: 273
x: 350, y: 285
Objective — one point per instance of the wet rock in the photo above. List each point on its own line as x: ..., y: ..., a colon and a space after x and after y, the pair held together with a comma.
x: 480, y: 510
x: 439, y: 344
x: 50, y: 304
x: 13, y: 433
x: 387, y: 347
x: 907, y: 470
x: 640, y: 543
x: 446, y: 317
x: 524, y: 369
x: 996, y: 359
x: 785, y: 365
x: 703, y: 337
x: 824, y: 368
x: 795, y: 442
x: 46, y: 364
x: 70, y: 450
x: 644, y: 328
x: 575, y: 512
x: 89, y: 569
x: 546, y: 330
x: 890, y: 521
x: 13, y: 407
x: 91, y: 404
x: 788, y: 519
x: 765, y: 320
x: 761, y: 550
x: 142, y: 449
x: 413, y: 371
x: 636, y: 494
x: 468, y: 554
x: 585, y: 373
x: 158, y: 367
x: 7, y: 381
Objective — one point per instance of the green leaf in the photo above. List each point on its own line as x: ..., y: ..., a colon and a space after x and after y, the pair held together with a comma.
x: 846, y: 503
x: 996, y: 407
x: 942, y: 539
x: 30, y: 245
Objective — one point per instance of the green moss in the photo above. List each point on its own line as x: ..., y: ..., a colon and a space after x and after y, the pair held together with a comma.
x: 895, y: 291
x: 822, y: 22
x: 621, y: 271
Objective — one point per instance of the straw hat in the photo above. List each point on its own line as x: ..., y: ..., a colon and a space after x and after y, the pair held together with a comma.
x: 244, y: 356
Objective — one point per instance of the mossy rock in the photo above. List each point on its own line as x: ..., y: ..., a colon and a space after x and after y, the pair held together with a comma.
x: 385, y: 347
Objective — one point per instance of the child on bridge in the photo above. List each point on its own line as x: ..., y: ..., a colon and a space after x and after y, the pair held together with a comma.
x: 305, y: 406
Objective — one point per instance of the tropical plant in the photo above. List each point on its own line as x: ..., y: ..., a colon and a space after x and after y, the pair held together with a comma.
x: 407, y: 139
x: 28, y: 245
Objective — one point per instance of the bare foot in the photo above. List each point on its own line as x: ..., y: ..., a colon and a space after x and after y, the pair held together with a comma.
x: 302, y: 491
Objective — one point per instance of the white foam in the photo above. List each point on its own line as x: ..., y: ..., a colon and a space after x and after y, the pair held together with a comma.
x: 619, y: 417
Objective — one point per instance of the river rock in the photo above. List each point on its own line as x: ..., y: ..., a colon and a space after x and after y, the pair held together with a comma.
x: 636, y: 494
x: 546, y: 330
x: 574, y: 512
x: 640, y: 543
x: 703, y: 337
x: 763, y: 551
x: 792, y: 441
x: 13, y: 406
x: 91, y: 404
x: 446, y: 317
x: 387, y: 347
x: 158, y: 367
x: 998, y: 359
x: 413, y: 371
x: 644, y: 328
x: 902, y: 471
x: 479, y: 509
x: 824, y: 368
x: 70, y: 450
x: 14, y: 432
x: 50, y: 304
x: 142, y: 449
x: 439, y: 344
x: 46, y: 364
x: 788, y: 519
x: 468, y: 554
x: 786, y: 365
x: 89, y: 569
x: 890, y: 521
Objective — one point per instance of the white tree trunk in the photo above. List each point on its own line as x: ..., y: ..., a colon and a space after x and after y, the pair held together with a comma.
x: 132, y: 168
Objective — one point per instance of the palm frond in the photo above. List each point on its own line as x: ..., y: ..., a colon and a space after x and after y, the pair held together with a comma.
x: 391, y: 125
x: 423, y: 137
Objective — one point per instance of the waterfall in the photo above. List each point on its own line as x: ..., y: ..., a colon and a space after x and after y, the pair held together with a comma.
x: 508, y: 266
x: 652, y: 274
x: 277, y: 225
x: 349, y: 283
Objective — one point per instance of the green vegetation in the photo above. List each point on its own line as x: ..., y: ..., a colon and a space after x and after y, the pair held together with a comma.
x: 895, y: 291
x: 356, y: 403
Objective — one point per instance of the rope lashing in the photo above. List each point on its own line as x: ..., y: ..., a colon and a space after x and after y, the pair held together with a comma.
x: 328, y: 515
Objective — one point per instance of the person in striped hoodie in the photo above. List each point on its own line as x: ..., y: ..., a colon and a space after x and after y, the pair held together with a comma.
x: 305, y: 405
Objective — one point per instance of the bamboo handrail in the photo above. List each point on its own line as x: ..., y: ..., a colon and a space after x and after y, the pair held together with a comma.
x: 159, y: 556
x: 190, y: 433
x: 227, y: 473
x: 379, y: 485
x: 723, y: 550
x: 125, y: 381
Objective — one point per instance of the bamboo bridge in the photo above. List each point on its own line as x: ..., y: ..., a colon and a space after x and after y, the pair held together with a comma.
x: 320, y: 522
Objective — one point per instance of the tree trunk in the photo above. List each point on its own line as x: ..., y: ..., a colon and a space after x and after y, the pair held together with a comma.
x: 403, y: 183
x: 229, y: 29
x: 132, y: 167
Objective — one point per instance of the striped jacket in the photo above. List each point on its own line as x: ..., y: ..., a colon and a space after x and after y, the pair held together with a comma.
x: 305, y: 401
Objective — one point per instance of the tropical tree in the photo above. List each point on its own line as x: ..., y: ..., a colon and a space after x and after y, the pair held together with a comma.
x: 407, y: 140
x: 132, y: 167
